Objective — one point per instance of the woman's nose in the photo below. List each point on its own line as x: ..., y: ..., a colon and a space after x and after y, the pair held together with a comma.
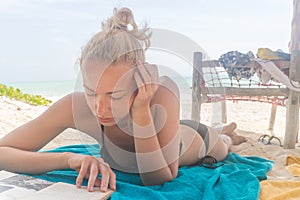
x: 102, y: 106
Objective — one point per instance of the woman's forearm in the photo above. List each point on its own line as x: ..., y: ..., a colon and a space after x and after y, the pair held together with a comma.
x: 152, y: 164
x: 20, y: 161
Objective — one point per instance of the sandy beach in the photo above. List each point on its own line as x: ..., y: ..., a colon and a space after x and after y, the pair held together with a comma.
x: 15, y: 113
x: 252, y: 119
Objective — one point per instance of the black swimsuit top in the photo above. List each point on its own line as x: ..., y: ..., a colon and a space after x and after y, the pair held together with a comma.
x: 113, y: 164
x: 133, y: 168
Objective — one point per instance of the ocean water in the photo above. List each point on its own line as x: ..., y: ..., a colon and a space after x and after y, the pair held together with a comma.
x: 48, y: 89
x: 56, y: 89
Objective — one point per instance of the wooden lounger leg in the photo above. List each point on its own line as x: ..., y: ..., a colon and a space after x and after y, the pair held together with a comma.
x: 224, y: 112
x: 272, y: 118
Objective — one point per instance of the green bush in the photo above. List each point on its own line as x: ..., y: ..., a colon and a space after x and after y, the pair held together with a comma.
x: 17, y: 94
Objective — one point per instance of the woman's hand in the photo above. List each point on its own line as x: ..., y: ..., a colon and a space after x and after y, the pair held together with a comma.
x: 147, y: 80
x: 89, y: 167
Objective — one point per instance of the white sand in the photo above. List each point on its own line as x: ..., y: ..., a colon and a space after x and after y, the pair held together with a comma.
x: 15, y: 113
x: 252, y: 119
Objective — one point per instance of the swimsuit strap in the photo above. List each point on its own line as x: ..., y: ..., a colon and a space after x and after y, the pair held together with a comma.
x: 102, y: 136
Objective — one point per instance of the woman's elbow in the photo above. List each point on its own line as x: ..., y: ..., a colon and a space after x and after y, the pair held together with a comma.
x: 150, y: 179
x: 152, y: 182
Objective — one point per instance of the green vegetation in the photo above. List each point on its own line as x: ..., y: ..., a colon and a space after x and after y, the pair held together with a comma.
x: 17, y: 94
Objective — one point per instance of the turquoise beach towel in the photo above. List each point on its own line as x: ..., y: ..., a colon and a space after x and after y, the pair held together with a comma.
x: 238, y: 179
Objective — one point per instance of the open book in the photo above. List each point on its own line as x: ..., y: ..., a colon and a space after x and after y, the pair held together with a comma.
x: 15, y: 186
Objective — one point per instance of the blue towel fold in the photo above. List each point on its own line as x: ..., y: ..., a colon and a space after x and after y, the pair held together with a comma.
x: 238, y: 179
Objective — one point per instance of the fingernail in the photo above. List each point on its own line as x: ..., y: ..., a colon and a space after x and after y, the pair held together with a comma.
x: 78, y: 185
x: 103, y: 188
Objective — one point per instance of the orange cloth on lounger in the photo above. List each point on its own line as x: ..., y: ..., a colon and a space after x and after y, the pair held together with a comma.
x: 293, y: 165
x: 283, y: 189
x: 279, y: 190
x: 290, y: 159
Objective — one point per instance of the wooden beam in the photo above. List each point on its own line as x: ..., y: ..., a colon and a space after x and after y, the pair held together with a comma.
x: 245, y: 91
x: 292, y: 116
x: 281, y: 64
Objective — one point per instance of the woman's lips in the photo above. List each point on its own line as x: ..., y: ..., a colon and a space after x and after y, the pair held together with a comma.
x: 106, y: 120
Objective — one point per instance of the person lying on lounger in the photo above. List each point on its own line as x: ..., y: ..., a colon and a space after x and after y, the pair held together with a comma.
x: 131, y: 111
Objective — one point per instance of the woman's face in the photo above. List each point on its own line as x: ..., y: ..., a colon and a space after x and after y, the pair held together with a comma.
x: 110, y: 91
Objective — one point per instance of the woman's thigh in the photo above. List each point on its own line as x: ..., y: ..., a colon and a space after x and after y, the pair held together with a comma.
x: 194, y: 147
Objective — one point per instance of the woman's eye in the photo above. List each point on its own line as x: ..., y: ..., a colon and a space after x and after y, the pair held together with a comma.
x: 116, y: 98
x: 91, y: 94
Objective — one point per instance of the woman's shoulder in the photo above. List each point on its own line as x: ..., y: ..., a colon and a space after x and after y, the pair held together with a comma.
x: 70, y: 99
x: 74, y: 97
x: 74, y: 105
x: 167, y: 90
x: 167, y: 84
x: 81, y: 115
x: 77, y: 103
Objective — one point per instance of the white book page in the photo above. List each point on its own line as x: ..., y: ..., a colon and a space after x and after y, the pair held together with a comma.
x: 64, y: 191
x: 15, y: 186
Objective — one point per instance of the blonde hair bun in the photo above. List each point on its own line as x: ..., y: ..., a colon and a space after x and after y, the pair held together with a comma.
x: 125, y: 16
x: 116, y: 42
x: 119, y: 21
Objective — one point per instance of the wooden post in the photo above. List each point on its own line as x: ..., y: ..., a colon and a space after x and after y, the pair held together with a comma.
x: 272, y: 117
x: 196, y: 92
x: 224, y: 111
x: 292, y: 115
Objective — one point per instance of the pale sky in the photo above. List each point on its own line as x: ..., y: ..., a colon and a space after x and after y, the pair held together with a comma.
x: 42, y: 39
